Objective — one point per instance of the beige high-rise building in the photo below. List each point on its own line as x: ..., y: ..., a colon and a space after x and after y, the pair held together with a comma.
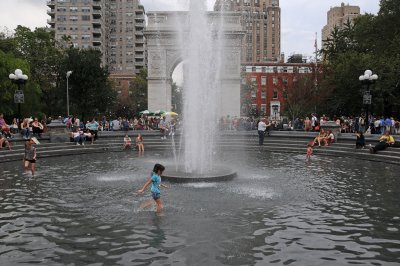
x: 261, y: 20
x: 338, y: 17
x: 124, y: 25
x: 115, y: 27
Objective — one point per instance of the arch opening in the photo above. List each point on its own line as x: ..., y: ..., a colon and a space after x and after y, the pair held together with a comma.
x: 177, y: 83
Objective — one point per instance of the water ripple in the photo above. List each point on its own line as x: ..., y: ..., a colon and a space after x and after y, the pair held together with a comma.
x: 278, y: 210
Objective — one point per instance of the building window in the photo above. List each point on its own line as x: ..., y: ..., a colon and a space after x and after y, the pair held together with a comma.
x: 86, y: 9
x: 253, y: 80
x: 253, y: 94
x: 275, y: 94
x: 263, y: 108
x: 263, y: 95
x: 275, y: 80
x: 263, y: 80
x: 61, y: 18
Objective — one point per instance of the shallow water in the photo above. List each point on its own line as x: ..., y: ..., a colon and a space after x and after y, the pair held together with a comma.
x: 83, y: 210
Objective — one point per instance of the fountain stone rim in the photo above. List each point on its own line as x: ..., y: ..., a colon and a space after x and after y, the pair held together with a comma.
x: 220, y: 174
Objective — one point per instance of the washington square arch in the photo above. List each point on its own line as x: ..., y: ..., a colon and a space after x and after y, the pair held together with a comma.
x: 165, y: 53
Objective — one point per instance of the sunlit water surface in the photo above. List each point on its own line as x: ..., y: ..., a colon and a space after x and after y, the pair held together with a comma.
x: 83, y: 210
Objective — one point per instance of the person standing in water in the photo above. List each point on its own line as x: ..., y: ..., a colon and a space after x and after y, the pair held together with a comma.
x: 155, y: 182
x: 309, y: 151
x: 262, y: 127
x: 30, y: 155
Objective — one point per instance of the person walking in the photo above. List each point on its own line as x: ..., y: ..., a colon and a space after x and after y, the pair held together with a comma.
x: 155, y: 182
x: 30, y: 155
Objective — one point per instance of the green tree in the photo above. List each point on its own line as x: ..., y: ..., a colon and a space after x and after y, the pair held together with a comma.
x: 7, y: 42
x: 371, y: 42
x: 247, y: 87
x: 91, y: 93
x: 8, y: 63
x: 177, y: 98
x: 138, y: 89
x: 38, y: 48
x: 300, y: 99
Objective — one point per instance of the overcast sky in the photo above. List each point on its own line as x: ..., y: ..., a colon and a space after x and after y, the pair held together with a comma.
x: 301, y: 19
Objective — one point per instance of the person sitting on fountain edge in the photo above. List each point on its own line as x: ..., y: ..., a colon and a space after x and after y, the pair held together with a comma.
x: 360, y: 142
x: 155, y: 182
x: 385, y: 141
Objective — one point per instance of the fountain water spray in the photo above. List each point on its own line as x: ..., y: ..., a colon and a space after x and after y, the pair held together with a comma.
x: 202, y: 56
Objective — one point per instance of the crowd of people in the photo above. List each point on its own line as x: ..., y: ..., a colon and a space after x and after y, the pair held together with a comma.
x: 142, y: 122
x: 351, y: 124
x: 82, y: 131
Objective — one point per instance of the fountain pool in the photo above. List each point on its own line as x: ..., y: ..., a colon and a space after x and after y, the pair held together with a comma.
x: 83, y: 210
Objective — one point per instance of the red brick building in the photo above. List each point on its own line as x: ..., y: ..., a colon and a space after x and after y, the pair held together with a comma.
x: 263, y: 86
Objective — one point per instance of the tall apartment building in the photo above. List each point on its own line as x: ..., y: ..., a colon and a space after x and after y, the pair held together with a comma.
x: 338, y: 17
x: 261, y: 20
x: 115, y: 27
x: 124, y: 23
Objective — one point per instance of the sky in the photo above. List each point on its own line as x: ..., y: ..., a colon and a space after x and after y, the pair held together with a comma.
x: 300, y: 19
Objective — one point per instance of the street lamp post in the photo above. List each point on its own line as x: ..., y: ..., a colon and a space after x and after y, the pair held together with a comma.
x: 18, y: 78
x: 367, y: 79
x: 68, y: 74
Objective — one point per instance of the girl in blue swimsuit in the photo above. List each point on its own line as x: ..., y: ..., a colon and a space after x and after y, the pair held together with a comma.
x: 155, y: 182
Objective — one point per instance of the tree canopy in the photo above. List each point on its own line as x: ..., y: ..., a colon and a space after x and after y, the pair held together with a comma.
x: 46, y: 62
x: 90, y: 90
x: 370, y: 42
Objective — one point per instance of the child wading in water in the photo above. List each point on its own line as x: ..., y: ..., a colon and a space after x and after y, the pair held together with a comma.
x: 155, y: 182
x: 309, y: 151
x: 30, y: 155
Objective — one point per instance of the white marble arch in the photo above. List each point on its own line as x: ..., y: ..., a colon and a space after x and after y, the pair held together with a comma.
x: 164, y: 55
